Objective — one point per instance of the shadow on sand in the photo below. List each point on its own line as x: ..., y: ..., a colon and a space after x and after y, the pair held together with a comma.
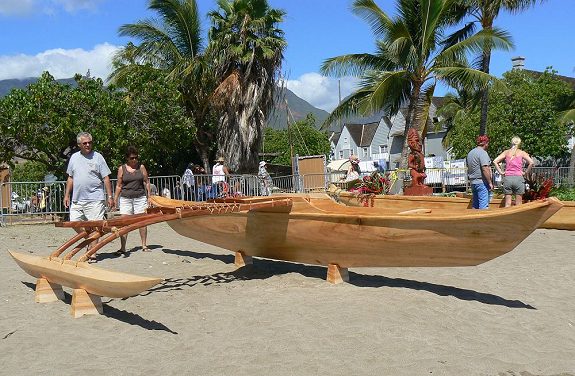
x: 118, y: 314
x: 266, y: 268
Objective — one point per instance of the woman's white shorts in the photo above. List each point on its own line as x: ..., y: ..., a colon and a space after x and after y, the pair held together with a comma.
x: 133, y: 205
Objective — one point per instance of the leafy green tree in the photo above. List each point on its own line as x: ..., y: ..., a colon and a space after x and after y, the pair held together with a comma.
x: 157, y: 122
x: 413, y: 54
x: 455, y: 108
x: 304, y: 137
x: 247, y: 47
x: 485, y: 12
x: 530, y: 109
x: 29, y: 171
x: 173, y: 44
x: 41, y: 123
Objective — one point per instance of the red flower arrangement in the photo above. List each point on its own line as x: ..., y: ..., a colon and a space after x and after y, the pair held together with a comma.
x: 371, y: 185
x: 539, y: 187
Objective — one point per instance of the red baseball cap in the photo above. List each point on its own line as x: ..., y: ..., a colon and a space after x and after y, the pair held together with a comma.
x: 482, y: 140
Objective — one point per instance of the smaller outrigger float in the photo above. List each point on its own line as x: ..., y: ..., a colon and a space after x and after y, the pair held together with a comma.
x: 306, y: 228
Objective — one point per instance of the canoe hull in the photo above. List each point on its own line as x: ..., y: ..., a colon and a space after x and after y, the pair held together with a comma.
x: 81, y: 275
x: 323, y: 232
x: 564, y: 219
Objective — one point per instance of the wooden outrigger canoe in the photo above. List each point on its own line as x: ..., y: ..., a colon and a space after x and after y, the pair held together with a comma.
x: 317, y: 230
x: 564, y: 219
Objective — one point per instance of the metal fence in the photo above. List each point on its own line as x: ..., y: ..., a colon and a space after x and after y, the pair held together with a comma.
x: 42, y: 201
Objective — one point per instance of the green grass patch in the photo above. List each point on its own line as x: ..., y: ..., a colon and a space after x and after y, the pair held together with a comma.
x: 563, y: 193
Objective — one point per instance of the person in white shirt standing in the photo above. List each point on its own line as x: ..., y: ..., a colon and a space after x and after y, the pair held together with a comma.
x: 88, y: 177
x: 219, y: 172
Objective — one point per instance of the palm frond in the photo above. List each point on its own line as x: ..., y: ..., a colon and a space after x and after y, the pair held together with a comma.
x: 568, y: 116
x: 388, y: 91
x: 378, y: 20
x: 494, y: 39
x: 459, y: 35
x: 350, y: 65
x: 348, y: 107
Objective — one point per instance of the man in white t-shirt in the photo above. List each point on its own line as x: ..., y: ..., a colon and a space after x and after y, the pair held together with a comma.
x: 88, y: 176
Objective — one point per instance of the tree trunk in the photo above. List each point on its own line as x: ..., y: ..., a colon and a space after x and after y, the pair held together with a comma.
x: 205, y: 157
x: 571, y: 177
x: 241, y: 130
x: 410, y: 120
x: 485, y: 60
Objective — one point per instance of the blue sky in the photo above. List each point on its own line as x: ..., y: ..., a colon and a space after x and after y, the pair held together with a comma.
x: 72, y: 36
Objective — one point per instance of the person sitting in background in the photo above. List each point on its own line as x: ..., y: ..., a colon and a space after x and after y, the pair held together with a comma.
x: 153, y: 189
x: 188, y: 183
x: 513, y: 177
x: 265, y: 179
x: 201, y: 182
x: 353, y: 171
x: 177, y: 195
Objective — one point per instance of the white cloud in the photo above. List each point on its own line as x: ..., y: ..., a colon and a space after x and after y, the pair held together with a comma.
x: 60, y: 63
x: 74, y: 5
x: 321, y: 91
x: 16, y: 7
x: 23, y: 7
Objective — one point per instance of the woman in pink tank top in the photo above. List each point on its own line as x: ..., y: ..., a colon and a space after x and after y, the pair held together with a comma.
x: 513, y: 181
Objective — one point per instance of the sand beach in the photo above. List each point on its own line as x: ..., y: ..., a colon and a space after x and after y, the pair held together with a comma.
x: 514, y: 315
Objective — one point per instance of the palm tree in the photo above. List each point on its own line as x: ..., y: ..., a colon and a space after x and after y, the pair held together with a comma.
x: 174, y: 45
x: 454, y: 108
x: 247, y: 49
x: 485, y: 12
x: 412, y: 56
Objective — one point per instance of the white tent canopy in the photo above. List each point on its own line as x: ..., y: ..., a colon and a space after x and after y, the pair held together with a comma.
x: 343, y: 165
x: 338, y: 165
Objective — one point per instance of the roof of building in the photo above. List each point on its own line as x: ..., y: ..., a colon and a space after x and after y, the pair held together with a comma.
x: 362, y: 134
x: 335, y: 137
x: 569, y: 80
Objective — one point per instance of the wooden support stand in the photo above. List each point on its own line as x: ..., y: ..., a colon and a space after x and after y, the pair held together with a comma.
x: 336, y: 275
x: 47, y: 292
x: 84, y: 303
x: 242, y: 260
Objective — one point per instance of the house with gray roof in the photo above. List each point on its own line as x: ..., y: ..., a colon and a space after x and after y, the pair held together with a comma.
x: 379, y: 137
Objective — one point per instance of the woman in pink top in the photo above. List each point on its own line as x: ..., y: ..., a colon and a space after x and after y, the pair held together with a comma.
x: 513, y: 181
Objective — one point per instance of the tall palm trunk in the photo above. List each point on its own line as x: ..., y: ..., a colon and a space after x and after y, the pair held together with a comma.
x: 410, y: 119
x: 242, y: 127
x: 485, y: 60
